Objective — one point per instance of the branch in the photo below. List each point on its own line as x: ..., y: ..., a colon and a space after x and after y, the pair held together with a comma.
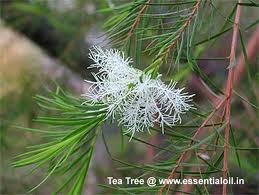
x: 205, y: 90
x: 183, y: 28
x: 229, y: 88
x: 182, y: 157
x: 252, y: 49
x: 136, y: 22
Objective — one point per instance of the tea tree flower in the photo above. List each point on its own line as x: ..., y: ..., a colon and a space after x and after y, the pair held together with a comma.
x: 136, y: 100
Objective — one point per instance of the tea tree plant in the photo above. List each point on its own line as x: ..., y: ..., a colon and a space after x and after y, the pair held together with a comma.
x: 199, y: 141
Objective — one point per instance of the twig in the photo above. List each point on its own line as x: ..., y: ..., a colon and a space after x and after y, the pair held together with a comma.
x: 185, y: 25
x: 205, y: 90
x: 136, y: 22
x: 229, y: 88
x: 181, y: 158
x: 234, y: 76
x: 252, y: 49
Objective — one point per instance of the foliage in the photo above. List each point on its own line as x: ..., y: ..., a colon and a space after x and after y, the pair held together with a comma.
x: 173, y: 35
x: 71, y: 136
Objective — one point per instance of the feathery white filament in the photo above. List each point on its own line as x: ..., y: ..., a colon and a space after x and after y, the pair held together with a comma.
x: 133, y: 97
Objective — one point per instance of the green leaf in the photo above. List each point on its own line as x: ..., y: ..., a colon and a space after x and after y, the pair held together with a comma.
x: 70, y: 149
x: 232, y: 138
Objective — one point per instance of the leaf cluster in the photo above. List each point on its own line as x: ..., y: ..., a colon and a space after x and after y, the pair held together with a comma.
x: 71, y: 137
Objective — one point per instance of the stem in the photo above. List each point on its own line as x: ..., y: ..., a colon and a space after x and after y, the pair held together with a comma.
x: 229, y: 88
x: 181, y: 158
x: 136, y: 22
x: 252, y: 50
x: 183, y: 28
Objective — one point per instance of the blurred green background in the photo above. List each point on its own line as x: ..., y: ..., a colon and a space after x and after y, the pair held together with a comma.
x: 43, y: 41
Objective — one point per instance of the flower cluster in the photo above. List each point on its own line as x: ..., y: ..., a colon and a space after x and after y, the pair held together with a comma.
x: 136, y: 100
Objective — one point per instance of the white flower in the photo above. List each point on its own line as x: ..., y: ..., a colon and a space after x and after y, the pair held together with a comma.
x: 136, y: 100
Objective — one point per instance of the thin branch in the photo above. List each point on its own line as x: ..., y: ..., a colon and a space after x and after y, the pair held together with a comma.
x: 206, y: 90
x: 182, y: 157
x: 229, y: 88
x: 252, y: 49
x: 136, y: 22
x: 183, y: 28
